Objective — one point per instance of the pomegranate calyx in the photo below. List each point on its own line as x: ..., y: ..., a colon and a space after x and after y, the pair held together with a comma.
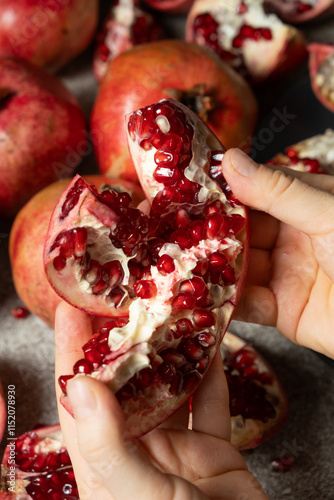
x: 198, y: 98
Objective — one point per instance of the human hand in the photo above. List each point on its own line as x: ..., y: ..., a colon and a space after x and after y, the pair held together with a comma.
x: 291, y: 268
x: 170, y: 463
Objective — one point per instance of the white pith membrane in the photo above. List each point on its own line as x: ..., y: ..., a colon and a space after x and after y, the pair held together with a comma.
x: 324, y: 78
x: 319, y: 147
x: 250, y: 432
x: 259, y: 56
x: 148, y: 331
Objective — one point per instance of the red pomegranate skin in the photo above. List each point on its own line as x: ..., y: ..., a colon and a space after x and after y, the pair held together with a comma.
x: 156, y: 68
x: 318, y: 54
x: 26, y: 244
x: 49, y: 33
x: 171, y: 6
x: 43, y: 132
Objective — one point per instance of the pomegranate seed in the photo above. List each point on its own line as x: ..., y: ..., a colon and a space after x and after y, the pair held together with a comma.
x: 246, y: 31
x: 266, y: 33
x: 171, y: 142
x: 194, y: 286
x: 228, y: 275
x: 237, y: 42
x: 215, y: 226
x: 72, y: 198
x: 62, y: 381
x: 165, y: 264
x: 173, y: 357
x: 79, y: 241
x: 190, y: 381
x: 19, y: 312
x: 202, y: 364
x: 205, y: 339
x: 59, y: 262
x: 182, y: 219
x: 100, y: 287
x: 182, y: 238
x: 235, y: 222
x: 116, y: 295
x: 184, y: 327
x: 203, y: 319
x: 145, y: 289
x: 144, y: 378
x: 114, y: 271
x: 218, y: 261
x: 201, y: 268
x: 183, y: 301
x: 166, y: 174
x: 83, y: 366
x: 191, y: 350
x: 93, y: 273
x: 195, y: 230
x: 166, y: 372
x: 282, y: 463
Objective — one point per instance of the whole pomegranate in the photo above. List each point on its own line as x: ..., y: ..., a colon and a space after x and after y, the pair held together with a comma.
x: 43, y: 132
x: 125, y: 26
x: 170, y: 6
x: 37, y: 465
x: 256, y: 44
x: 169, y: 280
x: 259, y: 406
x: 169, y: 68
x: 314, y: 154
x: 321, y: 70
x: 48, y: 33
x: 26, y: 243
x: 297, y: 11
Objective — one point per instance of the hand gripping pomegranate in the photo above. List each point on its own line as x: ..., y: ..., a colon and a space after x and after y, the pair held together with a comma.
x: 169, y: 281
x: 256, y: 44
x: 37, y: 466
x: 321, y: 70
x: 314, y: 154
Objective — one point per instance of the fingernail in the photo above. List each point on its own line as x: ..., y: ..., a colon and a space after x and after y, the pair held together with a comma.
x: 82, y: 399
x: 243, y: 163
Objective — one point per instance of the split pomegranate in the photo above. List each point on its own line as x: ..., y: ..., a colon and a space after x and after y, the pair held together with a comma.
x: 258, y: 402
x: 315, y: 154
x: 170, y: 6
x: 300, y: 11
x: 256, y: 44
x: 321, y: 69
x: 42, y: 129
x: 125, y: 26
x: 169, y: 280
x: 48, y: 33
x: 37, y: 466
x: 169, y: 68
x: 26, y: 243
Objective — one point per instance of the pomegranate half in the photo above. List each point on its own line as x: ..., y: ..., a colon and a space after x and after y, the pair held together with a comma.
x: 256, y: 44
x: 27, y: 237
x: 169, y: 280
x: 169, y: 68
x: 37, y: 466
x: 321, y: 70
x: 125, y: 26
x: 259, y: 405
x: 314, y: 154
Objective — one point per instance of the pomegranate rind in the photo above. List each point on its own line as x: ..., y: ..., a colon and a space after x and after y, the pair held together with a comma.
x: 314, y: 154
x: 287, y: 11
x: 264, y: 60
x: 165, y: 65
x: 319, y: 52
x: 27, y: 238
x: 171, y: 6
x: 249, y: 433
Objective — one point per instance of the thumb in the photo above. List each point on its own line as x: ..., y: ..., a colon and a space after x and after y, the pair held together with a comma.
x: 117, y: 464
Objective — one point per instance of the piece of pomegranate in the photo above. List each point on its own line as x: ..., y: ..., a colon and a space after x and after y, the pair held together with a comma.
x: 170, y: 6
x: 170, y: 279
x: 26, y: 243
x: 258, y: 403
x: 300, y: 11
x: 37, y: 466
x: 42, y: 129
x: 315, y: 154
x: 321, y: 70
x: 256, y: 44
x: 45, y: 32
x: 125, y: 26
x: 169, y: 68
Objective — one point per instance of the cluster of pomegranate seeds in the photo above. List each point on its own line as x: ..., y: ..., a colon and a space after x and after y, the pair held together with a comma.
x: 282, y: 463
x: 248, y: 397
x: 311, y: 165
x: 52, y: 476
x: 19, y: 312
